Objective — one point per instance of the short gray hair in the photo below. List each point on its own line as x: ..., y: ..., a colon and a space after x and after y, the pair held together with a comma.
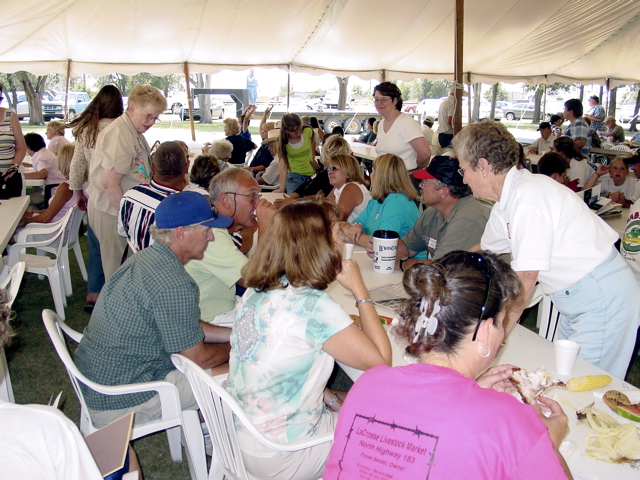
x: 226, y: 181
x: 165, y: 235
x: 221, y: 149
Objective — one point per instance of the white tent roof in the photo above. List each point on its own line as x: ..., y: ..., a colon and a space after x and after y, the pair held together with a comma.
x: 505, y: 40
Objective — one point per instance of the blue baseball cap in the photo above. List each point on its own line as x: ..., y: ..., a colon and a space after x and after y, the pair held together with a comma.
x: 188, y: 208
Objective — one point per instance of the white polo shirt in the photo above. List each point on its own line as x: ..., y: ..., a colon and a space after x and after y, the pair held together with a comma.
x: 547, y: 228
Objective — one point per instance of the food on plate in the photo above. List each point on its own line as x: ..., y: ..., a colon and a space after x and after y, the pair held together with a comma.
x: 620, y: 403
x: 613, y: 442
x: 531, y: 385
x: 614, y: 398
x: 589, y: 382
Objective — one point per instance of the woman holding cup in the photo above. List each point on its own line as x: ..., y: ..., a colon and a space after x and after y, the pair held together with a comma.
x: 431, y: 418
x: 392, y: 205
x: 288, y: 332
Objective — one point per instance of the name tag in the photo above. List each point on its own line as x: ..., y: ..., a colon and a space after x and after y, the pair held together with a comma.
x: 432, y: 243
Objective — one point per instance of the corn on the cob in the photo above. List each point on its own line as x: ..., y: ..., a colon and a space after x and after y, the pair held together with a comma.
x: 589, y: 382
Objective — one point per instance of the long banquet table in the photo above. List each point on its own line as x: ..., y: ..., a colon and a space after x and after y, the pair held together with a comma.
x: 11, y: 212
x: 527, y: 350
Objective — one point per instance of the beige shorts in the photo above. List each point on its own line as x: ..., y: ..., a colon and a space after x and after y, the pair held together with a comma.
x: 151, y: 409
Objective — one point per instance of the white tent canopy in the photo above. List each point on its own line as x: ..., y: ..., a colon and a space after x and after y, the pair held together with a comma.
x: 541, y: 41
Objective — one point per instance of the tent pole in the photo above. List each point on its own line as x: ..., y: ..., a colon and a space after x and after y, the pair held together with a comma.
x: 469, y: 98
x: 544, y: 102
x: 190, y: 102
x: 608, y: 86
x: 458, y: 80
x: 288, y: 86
x: 383, y: 76
x: 66, y: 91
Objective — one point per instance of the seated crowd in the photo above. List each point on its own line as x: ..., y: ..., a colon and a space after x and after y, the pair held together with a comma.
x: 238, y: 285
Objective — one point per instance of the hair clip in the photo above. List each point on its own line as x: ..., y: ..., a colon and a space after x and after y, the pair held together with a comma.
x: 430, y: 324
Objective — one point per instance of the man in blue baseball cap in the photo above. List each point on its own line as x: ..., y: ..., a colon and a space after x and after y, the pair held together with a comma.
x: 148, y: 310
x: 454, y: 220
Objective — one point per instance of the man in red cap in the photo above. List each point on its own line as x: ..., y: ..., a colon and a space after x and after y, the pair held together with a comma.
x: 455, y: 220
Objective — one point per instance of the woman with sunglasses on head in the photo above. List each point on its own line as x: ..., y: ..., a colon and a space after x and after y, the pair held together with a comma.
x: 349, y: 186
x: 296, y: 150
x: 442, y: 417
x: 288, y: 332
x: 557, y: 241
x: 398, y: 133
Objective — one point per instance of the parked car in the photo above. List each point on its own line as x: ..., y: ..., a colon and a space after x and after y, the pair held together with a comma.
x: 330, y: 100
x: 76, y: 103
x: 217, y: 109
x: 517, y: 111
x: 429, y: 107
x: 22, y: 106
x: 625, y: 113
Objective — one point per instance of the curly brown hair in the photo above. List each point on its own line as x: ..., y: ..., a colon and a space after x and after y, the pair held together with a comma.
x: 459, y: 282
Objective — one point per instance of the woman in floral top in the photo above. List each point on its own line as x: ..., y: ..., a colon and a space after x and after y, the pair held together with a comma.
x: 288, y: 332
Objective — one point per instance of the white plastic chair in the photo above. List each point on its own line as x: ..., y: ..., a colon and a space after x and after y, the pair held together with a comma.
x: 621, y: 148
x: 44, y: 265
x: 219, y: 409
x: 11, y: 283
x: 71, y: 240
x: 172, y: 416
x: 607, y: 146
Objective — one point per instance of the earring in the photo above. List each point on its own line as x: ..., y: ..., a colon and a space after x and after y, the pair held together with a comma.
x: 480, y: 349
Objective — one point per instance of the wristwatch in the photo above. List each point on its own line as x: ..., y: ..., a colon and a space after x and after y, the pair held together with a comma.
x: 402, y: 260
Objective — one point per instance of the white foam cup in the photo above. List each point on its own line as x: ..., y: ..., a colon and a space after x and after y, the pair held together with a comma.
x: 348, y: 251
x: 566, y: 355
x: 385, y: 248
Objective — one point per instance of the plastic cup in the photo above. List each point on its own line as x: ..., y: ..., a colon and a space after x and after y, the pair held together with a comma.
x: 348, y: 251
x: 566, y: 355
x: 385, y: 248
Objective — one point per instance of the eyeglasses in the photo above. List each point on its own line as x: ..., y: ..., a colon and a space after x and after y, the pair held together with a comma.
x: 476, y: 260
x: 151, y: 116
x: 426, y: 182
x: 381, y: 99
x: 254, y: 198
x: 332, y: 169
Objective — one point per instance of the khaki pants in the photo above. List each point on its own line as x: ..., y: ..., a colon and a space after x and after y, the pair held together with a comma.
x: 112, y: 246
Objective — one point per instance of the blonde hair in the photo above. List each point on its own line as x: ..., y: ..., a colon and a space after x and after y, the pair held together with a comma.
x: 391, y: 176
x: 376, y: 124
x: 221, y: 149
x: 233, y: 125
x: 350, y: 166
x: 142, y: 95
x: 298, y: 244
x: 57, y: 126
x: 334, y: 145
x: 65, y: 154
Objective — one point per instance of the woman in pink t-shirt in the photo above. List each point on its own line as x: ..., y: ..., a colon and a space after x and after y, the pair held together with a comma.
x: 440, y: 418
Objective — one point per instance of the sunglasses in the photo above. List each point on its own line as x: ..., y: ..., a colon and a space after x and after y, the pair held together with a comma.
x: 477, y: 261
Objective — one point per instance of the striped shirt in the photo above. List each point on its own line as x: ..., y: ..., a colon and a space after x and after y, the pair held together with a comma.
x: 7, y: 141
x: 138, y: 213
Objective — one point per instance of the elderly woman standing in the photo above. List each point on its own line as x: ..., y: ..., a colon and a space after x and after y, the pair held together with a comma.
x: 452, y: 322
x: 121, y: 161
x: 556, y: 240
x: 398, y: 133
